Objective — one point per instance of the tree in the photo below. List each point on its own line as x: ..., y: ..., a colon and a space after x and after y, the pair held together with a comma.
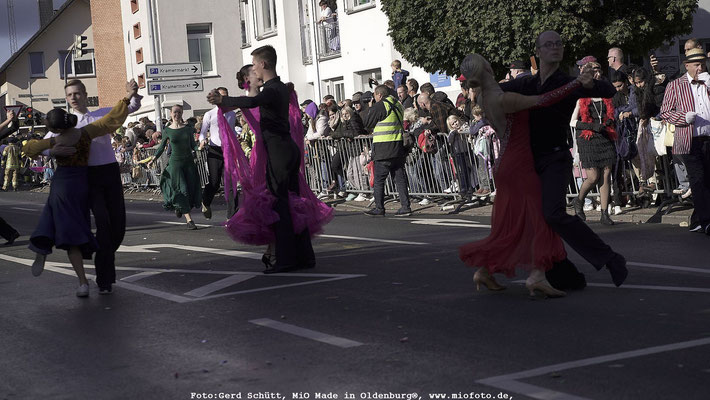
x: 437, y: 35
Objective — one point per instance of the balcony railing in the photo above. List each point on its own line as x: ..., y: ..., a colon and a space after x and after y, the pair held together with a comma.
x: 328, y: 39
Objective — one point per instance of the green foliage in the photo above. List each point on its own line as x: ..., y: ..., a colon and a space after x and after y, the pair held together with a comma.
x: 437, y: 34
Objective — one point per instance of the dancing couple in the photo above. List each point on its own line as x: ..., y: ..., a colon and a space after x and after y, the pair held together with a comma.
x: 529, y: 219
x: 279, y: 208
x: 65, y: 222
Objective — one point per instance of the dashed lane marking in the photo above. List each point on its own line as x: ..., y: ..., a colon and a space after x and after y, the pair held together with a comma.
x: 306, y: 333
x: 25, y: 209
x: 366, y: 239
x: 218, y: 285
x: 140, y: 275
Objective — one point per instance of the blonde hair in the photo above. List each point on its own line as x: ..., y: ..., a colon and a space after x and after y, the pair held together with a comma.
x: 396, y: 64
x: 450, y: 120
x: 477, y: 111
x: 411, y: 115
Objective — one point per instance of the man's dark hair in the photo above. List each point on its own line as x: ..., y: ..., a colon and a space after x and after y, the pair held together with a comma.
x: 267, y: 54
x: 414, y: 84
x: 328, y: 97
x: 223, y: 89
x: 427, y: 88
x: 382, y: 90
x: 76, y: 82
x: 389, y: 83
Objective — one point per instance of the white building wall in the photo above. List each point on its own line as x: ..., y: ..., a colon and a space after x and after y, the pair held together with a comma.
x: 172, y: 18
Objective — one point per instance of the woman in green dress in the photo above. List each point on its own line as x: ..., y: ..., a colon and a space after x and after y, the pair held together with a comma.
x: 180, y: 181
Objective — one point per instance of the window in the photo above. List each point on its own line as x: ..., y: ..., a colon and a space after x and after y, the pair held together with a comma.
x: 304, y: 7
x: 134, y: 6
x: 137, y: 30
x: 336, y: 88
x: 363, y: 77
x: 141, y: 81
x: 139, y: 56
x: 265, y: 17
x: 244, y: 22
x: 83, y: 67
x: 199, y: 45
x: 358, y: 5
x: 37, y: 65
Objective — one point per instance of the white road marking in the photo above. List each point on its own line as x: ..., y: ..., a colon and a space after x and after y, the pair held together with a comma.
x: 183, y: 224
x: 446, y: 222
x: 644, y: 287
x: 374, y: 240
x: 145, y: 248
x: 306, y: 333
x: 669, y: 267
x: 140, y: 275
x: 218, y: 285
x: 510, y: 382
x: 25, y: 209
x: 334, y: 278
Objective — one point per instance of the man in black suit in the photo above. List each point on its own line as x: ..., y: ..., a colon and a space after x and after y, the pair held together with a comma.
x: 549, y: 135
x: 293, y: 251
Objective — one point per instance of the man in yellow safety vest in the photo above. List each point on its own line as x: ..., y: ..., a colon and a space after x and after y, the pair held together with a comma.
x: 385, y: 121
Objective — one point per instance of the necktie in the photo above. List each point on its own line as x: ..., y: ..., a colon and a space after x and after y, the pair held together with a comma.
x: 697, y: 82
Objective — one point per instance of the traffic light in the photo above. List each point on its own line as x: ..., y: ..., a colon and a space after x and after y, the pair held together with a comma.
x: 79, y: 46
x: 38, y: 119
x: 29, y: 118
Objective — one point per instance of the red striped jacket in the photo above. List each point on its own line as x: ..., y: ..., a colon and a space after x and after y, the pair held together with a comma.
x: 677, y: 101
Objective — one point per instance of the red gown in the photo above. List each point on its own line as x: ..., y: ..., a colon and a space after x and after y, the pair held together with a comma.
x: 519, y: 237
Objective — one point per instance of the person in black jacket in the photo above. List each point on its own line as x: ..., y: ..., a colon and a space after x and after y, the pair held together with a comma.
x: 549, y: 135
x: 293, y: 250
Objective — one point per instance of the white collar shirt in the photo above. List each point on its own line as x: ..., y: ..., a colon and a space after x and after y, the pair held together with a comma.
x: 210, y: 124
x: 702, y: 105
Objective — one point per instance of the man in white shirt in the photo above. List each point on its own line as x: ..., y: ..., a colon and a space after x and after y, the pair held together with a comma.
x: 209, y: 136
x: 105, y: 186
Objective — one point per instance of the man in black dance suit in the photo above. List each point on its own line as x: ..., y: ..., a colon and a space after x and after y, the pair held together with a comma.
x: 549, y: 135
x: 293, y: 251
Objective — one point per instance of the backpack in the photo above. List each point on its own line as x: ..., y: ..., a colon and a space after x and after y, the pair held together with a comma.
x: 626, y: 147
x: 427, y: 142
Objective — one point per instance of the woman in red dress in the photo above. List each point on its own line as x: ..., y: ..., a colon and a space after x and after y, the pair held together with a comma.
x: 519, y: 237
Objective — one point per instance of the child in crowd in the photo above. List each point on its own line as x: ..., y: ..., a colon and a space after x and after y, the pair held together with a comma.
x: 482, y: 134
x: 399, y: 76
x: 459, y: 150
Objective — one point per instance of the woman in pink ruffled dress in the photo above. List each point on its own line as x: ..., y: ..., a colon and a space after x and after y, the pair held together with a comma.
x: 252, y: 224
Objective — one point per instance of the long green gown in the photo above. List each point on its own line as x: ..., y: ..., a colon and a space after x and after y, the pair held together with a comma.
x: 180, y: 181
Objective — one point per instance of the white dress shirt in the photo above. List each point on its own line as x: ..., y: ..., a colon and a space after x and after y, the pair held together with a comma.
x: 209, y: 122
x: 702, y: 105
x: 101, y: 152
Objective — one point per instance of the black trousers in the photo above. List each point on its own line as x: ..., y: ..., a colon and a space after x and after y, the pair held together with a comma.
x: 697, y: 164
x: 106, y: 201
x: 6, y: 231
x: 215, y: 167
x: 283, y: 163
x: 391, y: 167
x: 555, y: 171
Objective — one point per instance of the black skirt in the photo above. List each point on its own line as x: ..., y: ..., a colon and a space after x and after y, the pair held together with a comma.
x: 597, y: 152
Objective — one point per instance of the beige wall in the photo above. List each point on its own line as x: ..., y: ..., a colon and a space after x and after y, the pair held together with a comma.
x: 108, y: 37
x: 76, y: 19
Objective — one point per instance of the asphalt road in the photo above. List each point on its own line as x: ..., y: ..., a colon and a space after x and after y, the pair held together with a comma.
x: 388, y: 313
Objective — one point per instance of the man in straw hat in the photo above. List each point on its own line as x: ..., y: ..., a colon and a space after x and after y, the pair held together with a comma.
x: 686, y: 105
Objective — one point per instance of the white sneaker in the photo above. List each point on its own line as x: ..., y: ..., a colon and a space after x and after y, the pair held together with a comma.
x: 360, y: 197
x: 425, y: 202
x: 350, y: 197
x: 678, y: 190
x: 617, y: 210
x: 687, y: 194
x: 599, y: 208
x: 341, y: 194
x: 588, y: 207
x: 83, y: 290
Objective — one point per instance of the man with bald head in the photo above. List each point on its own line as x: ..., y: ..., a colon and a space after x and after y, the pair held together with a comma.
x: 439, y: 112
x: 553, y: 162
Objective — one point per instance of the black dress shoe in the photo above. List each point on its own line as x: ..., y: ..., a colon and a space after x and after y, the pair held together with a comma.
x: 279, y: 270
x: 564, y: 276
x: 191, y: 226
x: 617, y: 269
x: 12, y: 239
x: 375, y: 212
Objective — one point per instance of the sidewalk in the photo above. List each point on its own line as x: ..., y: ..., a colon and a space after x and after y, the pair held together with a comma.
x: 678, y: 216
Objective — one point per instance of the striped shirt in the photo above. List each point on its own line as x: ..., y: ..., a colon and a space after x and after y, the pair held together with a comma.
x: 677, y: 102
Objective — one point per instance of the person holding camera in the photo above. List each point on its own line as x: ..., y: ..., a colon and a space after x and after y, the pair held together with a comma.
x: 385, y: 121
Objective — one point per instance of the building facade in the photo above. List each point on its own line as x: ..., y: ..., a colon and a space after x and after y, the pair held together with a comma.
x: 39, y: 65
x: 173, y: 31
x: 335, y: 56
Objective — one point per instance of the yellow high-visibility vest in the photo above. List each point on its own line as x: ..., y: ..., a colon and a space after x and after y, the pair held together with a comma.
x: 390, y: 128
